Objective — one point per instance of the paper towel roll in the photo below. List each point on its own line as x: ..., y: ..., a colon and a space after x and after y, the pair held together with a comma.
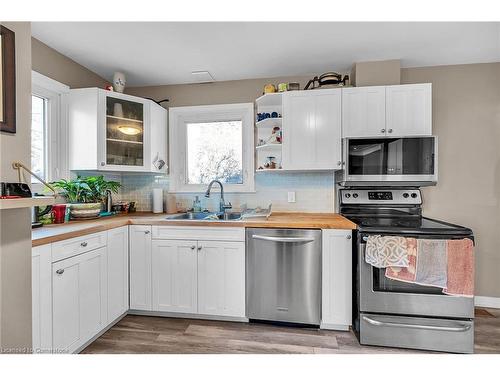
x: 157, y: 201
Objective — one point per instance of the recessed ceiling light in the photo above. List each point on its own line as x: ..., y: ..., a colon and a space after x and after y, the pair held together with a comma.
x: 202, y: 76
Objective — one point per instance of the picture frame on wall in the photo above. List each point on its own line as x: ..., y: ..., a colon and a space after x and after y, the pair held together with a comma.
x: 7, y: 80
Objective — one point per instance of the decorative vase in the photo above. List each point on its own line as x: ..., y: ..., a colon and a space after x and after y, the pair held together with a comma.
x: 119, y: 82
x: 85, y: 210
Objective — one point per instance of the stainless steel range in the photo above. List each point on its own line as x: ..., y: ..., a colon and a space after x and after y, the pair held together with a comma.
x: 387, y: 312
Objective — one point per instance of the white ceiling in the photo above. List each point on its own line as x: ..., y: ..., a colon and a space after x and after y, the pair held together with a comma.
x: 167, y: 52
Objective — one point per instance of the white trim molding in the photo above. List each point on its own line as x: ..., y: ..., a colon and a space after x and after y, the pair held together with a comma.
x: 180, y: 116
x: 483, y: 301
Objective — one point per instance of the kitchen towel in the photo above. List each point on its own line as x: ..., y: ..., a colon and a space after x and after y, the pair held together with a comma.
x: 460, y: 268
x: 406, y: 274
x: 431, y: 263
x: 386, y: 251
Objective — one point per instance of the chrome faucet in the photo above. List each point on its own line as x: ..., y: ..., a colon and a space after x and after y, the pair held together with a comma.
x: 222, y: 205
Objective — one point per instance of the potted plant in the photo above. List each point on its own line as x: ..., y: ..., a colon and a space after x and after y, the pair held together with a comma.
x: 85, y: 194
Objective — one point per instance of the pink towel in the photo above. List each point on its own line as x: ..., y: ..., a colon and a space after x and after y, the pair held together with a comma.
x: 406, y: 274
x: 460, y: 268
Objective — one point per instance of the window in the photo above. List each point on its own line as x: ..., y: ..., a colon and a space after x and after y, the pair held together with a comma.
x: 49, y: 153
x: 212, y: 143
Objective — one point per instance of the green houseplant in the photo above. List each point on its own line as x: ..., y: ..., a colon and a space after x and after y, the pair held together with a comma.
x: 85, y: 194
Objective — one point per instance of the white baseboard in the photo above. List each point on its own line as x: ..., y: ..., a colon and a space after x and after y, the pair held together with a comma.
x: 482, y: 301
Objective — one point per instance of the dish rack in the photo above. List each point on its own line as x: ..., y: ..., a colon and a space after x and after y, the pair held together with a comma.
x: 258, y: 212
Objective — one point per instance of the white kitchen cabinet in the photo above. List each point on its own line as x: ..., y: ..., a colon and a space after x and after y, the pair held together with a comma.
x: 363, y: 111
x: 110, y: 131
x: 174, y: 275
x: 312, y: 130
x: 79, y: 299
x: 336, y: 279
x: 409, y: 110
x: 41, y: 289
x: 117, y: 272
x: 221, y: 278
x: 140, y: 267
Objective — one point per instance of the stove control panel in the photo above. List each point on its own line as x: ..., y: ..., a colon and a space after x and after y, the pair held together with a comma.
x: 380, y: 196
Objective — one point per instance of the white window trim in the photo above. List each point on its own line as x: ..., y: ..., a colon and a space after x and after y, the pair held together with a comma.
x: 57, y: 131
x: 180, y: 116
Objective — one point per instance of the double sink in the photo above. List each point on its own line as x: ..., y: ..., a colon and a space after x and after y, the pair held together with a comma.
x: 206, y: 216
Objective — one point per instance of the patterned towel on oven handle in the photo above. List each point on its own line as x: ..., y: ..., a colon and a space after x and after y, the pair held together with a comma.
x: 386, y: 251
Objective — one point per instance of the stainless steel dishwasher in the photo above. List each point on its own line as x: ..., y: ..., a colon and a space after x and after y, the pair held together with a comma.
x: 283, y: 271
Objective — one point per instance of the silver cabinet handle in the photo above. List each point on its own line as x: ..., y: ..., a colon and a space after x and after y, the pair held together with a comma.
x: 348, y: 237
x: 193, y: 247
x: 199, y: 247
x: 84, y: 244
x: 283, y: 239
x: 147, y: 232
x: 458, y: 328
x: 339, y: 163
x: 382, y: 130
x: 390, y: 131
x: 365, y: 238
x: 60, y: 272
x: 103, y: 163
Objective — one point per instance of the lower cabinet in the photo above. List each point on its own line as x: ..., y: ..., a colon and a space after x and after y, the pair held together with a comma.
x: 204, y: 277
x: 140, y: 267
x: 117, y: 272
x: 79, y: 299
x: 336, y: 279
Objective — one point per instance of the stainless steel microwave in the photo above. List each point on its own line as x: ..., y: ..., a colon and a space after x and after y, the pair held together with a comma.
x: 390, y: 161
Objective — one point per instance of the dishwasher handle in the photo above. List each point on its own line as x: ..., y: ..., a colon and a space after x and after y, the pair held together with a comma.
x: 283, y: 239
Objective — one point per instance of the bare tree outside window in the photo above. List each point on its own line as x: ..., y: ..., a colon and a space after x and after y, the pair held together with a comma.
x: 215, y: 151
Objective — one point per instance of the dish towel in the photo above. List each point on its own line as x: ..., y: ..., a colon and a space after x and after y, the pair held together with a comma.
x: 431, y: 263
x: 460, y: 268
x: 386, y: 251
x: 406, y: 274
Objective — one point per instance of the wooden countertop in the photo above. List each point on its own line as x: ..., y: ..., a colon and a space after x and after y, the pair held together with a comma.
x: 55, y: 232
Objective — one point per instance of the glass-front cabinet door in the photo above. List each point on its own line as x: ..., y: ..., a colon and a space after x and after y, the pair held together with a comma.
x: 125, y: 128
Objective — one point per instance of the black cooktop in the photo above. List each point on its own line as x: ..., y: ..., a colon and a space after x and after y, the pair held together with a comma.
x: 409, y: 224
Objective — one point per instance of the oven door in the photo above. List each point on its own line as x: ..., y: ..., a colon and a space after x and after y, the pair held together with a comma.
x: 395, y: 161
x: 379, y: 294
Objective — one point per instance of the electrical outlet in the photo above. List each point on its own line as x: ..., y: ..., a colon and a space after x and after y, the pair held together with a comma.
x: 291, y: 197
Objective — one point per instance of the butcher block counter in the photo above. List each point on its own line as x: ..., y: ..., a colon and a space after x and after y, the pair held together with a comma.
x: 58, y: 232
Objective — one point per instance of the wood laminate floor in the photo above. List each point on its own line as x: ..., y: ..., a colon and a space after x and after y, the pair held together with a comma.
x: 144, y: 334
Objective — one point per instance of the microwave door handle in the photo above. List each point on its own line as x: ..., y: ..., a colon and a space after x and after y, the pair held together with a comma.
x: 458, y: 328
x: 283, y: 239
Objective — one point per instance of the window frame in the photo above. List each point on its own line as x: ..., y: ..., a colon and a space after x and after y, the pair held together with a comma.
x: 180, y: 116
x: 56, y: 132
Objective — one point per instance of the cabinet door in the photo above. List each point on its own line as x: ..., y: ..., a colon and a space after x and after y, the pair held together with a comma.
x: 409, y: 110
x: 174, y: 276
x: 363, y: 111
x: 337, y: 279
x: 221, y: 278
x: 312, y: 130
x: 41, y: 290
x: 117, y: 252
x: 79, y: 300
x: 140, y: 267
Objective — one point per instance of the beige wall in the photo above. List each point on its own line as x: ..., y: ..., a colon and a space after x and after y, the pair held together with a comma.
x: 466, y: 118
x: 49, y: 62
x: 15, y: 233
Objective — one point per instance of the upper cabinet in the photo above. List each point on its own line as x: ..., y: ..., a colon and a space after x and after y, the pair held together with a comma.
x: 110, y: 131
x: 386, y: 111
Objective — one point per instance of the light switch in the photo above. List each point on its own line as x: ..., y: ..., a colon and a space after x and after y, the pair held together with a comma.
x: 291, y: 197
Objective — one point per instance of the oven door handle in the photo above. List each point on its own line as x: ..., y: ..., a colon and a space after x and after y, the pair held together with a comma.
x: 283, y: 239
x: 459, y: 328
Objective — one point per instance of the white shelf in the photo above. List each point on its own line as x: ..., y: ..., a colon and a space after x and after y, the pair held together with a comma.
x: 269, y: 100
x: 6, y: 204
x: 269, y: 122
x: 124, y: 119
x: 269, y: 146
x: 124, y: 141
x: 270, y: 170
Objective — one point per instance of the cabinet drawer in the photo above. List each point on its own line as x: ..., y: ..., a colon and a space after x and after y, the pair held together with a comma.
x: 198, y: 233
x: 77, y: 245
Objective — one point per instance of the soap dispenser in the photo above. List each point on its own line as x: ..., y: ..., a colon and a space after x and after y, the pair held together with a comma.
x: 196, y: 205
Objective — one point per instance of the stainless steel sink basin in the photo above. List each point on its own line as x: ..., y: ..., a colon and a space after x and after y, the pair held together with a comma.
x: 227, y: 216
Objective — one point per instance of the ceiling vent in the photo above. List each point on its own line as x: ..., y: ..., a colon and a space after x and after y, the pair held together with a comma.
x: 202, y: 76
